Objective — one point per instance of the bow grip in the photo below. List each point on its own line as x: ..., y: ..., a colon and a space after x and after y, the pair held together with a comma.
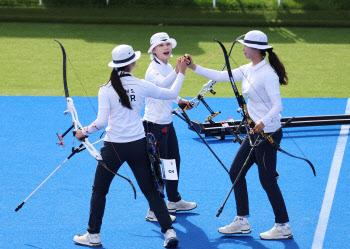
x: 183, y: 106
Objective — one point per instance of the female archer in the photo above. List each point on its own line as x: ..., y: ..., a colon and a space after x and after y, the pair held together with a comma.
x: 260, y: 83
x: 121, y: 100
x: 159, y: 119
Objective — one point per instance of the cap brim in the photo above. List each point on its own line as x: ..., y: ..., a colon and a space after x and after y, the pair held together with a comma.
x: 262, y: 47
x: 137, y: 56
x: 171, y: 40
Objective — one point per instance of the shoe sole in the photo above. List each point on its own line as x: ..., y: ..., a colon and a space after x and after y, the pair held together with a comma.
x: 154, y: 220
x: 173, y: 211
x: 242, y: 232
x: 172, y: 243
x: 89, y: 245
x: 151, y: 220
x: 289, y: 236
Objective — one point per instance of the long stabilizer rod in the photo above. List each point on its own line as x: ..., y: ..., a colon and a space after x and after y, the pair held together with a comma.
x: 75, y: 151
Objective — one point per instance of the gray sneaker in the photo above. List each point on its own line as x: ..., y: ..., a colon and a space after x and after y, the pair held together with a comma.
x: 238, y: 226
x: 180, y: 205
x: 88, y: 239
x: 278, y: 232
x: 171, y: 240
x: 152, y: 217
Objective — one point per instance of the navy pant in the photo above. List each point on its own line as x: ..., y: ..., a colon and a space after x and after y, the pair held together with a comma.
x: 265, y: 156
x: 168, y: 149
x: 135, y: 154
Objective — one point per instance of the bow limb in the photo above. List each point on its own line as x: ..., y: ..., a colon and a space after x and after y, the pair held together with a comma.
x: 240, y: 99
x: 305, y: 159
x: 77, y: 125
x: 277, y: 146
x: 128, y: 180
x: 64, y: 70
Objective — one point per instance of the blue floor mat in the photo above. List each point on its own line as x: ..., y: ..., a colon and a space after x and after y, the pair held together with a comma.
x: 60, y: 208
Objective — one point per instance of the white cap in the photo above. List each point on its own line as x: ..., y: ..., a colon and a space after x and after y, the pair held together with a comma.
x: 255, y: 39
x: 160, y: 38
x: 123, y: 55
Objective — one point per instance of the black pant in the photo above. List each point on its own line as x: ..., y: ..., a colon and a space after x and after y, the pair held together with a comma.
x: 135, y: 154
x: 265, y: 156
x: 168, y: 149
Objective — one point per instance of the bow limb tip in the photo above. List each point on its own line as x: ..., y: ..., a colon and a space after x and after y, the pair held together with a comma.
x: 312, y: 167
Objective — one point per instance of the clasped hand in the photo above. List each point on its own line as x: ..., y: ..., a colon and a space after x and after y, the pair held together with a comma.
x: 181, y: 65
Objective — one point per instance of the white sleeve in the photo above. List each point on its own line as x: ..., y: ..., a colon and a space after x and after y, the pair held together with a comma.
x: 176, y: 100
x: 272, y: 85
x: 156, y: 92
x: 275, y: 110
x: 103, y: 113
x: 161, y: 81
x: 221, y: 76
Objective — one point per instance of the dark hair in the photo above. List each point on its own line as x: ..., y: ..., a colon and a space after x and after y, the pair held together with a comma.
x: 118, y: 87
x: 277, y: 65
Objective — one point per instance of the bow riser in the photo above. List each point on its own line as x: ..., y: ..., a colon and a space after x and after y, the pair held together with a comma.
x: 73, y: 112
x: 208, y: 87
x: 93, y: 152
x: 77, y: 126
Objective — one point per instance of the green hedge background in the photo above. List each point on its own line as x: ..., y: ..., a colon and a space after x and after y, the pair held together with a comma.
x: 227, y: 4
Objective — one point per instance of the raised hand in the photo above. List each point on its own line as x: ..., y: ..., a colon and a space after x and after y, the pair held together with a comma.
x: 189, y: 62
x: 181, y: 65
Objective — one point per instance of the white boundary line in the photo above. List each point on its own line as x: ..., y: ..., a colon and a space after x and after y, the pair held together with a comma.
x: 331, y: 185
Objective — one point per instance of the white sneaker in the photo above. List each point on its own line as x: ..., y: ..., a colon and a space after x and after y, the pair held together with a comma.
x: 238, y: 226
x: 170, y: 239
x: 152, y: 217
x: 88, y: 239
x: 278, y: 232
x: 180, y: 205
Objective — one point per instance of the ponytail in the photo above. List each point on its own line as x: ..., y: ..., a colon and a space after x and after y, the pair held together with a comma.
x: 118, y: 87
x: 277, y: 65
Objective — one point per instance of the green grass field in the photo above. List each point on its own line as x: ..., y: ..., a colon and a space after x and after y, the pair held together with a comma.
x: 317, y: 59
